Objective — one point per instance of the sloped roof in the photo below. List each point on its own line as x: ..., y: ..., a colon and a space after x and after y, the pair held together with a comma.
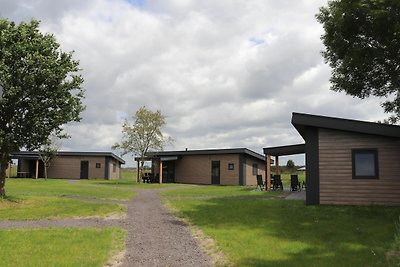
x: 35, y: 154
x: 301, y: 120
x: 285, y: 150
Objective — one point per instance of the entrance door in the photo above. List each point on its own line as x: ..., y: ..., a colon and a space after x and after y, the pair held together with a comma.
x: 215, y: 172
x: 84, y: 169
x: 168, y: 172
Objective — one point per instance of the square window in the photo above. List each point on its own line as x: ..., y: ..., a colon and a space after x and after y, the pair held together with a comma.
x: 365, y: 164
x: 255, y: 169
x: 98, y: 165
x: 231, y: 166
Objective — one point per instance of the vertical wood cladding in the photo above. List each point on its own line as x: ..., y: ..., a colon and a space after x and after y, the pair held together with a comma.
x: 335, y: 167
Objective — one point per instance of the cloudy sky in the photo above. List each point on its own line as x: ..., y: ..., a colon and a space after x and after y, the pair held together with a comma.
x: 225, y: 73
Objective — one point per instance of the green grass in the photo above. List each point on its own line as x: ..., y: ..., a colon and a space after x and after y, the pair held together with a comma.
x: 275, y: 232
x: 217, y: 191
x: 59, y: 247
x: 57, y: 187
x: 33, y: 208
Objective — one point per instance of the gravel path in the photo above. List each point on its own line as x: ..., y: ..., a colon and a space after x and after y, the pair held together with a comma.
x: 154, y: 236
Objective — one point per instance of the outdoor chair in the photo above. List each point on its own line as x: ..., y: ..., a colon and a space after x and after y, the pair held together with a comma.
x: 260, y: 183
x: 294, y: 182
x: 277, y: 184
x: 304, y: 185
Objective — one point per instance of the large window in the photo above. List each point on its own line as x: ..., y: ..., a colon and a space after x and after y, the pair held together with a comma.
x: 365, y: 164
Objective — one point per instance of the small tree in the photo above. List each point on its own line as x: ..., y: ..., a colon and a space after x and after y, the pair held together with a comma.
x: 143, y: 135
x: 290, y: 165
x: 48, y: 151
x: 41, y: 89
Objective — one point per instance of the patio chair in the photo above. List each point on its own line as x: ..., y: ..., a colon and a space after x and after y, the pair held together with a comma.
x: 294, y: 182
x: 304, y: 185
x: 260, y: 183
x: 277, y: 184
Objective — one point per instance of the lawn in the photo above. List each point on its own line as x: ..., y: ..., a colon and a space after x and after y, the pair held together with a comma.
x: 59, y: 187
x: 254, y: 231
x: 59, y: 247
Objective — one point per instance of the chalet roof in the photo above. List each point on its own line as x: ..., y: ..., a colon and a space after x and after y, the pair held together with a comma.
x: 285, y: 150
x: 35, y: 155
x: 301, y: 121
x: 205, y: 152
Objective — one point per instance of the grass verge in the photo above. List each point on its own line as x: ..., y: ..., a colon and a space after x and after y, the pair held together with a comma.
x: 276, y: 232
x: 52, y: 187
x: 59, y: 247
x: 33, y: 208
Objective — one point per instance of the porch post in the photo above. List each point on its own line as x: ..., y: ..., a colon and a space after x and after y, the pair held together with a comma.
x: 160, y: 171
x: 268, y: 160
x: 137, y: 171
x: 9, y: 169
x: 276, y: 165
x: 37, y: 169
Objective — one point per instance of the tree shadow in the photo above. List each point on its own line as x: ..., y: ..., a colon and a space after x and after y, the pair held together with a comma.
x: 288, y: 233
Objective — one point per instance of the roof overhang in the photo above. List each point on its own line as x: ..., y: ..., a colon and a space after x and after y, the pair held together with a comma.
x: 302, y: 121
x: 35, y: 155
x: 285, y: 150
x: 159, y: 154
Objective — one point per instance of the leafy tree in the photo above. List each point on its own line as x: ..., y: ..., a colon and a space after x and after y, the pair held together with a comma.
x: 41, y: 90
x: 48, y: 151
x: 362, y: 41
x: 290, y: 164
x: 143, y: 135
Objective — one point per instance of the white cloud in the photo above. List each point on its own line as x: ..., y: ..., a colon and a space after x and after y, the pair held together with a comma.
x: 225, y: 73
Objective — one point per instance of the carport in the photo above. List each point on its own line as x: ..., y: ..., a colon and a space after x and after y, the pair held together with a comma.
x: 280, y: 151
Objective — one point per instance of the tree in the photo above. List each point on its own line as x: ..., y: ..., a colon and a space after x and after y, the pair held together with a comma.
x: 290, y: 164
x: 48, y: 151
x: 143, y: 135
x: 41, y: 89
x: 362, y: 42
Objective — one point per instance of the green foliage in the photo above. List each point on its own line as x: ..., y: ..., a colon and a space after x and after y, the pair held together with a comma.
x: 59, y: 247
x: 144, y: 134
x: 362, y: 41
x: 41, y: 90
x: 275, y: 232
x: 290, y: 164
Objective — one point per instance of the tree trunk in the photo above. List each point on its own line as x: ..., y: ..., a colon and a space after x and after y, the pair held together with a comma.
x: 141, y: 171
x: 3, y: 171
x: 45, y: 171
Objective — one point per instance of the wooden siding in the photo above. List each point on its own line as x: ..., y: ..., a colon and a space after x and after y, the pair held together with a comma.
x: 196, y: 169
x: 335, y: 169
x: 251, y: 179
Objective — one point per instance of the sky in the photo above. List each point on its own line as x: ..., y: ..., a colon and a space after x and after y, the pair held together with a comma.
x: 226, y: 73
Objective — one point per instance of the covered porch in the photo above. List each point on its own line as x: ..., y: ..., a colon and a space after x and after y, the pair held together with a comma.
x: 162, y: 169
x: 28, y: 166
x: 276, y: 152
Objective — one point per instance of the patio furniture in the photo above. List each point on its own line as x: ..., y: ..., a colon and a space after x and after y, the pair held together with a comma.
x: 304, y: 185
x: 260, y: 183
x: 294, y: 182
x: 277, y: 183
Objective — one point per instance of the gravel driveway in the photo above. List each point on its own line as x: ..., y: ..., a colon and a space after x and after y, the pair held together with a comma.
x: 154, y: 236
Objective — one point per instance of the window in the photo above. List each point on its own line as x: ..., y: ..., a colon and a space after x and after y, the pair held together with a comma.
x: 365, y: 163
x: 255, y: 169
x: 114, y: 167
x: 98, y: 165
x: 231, y: 166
